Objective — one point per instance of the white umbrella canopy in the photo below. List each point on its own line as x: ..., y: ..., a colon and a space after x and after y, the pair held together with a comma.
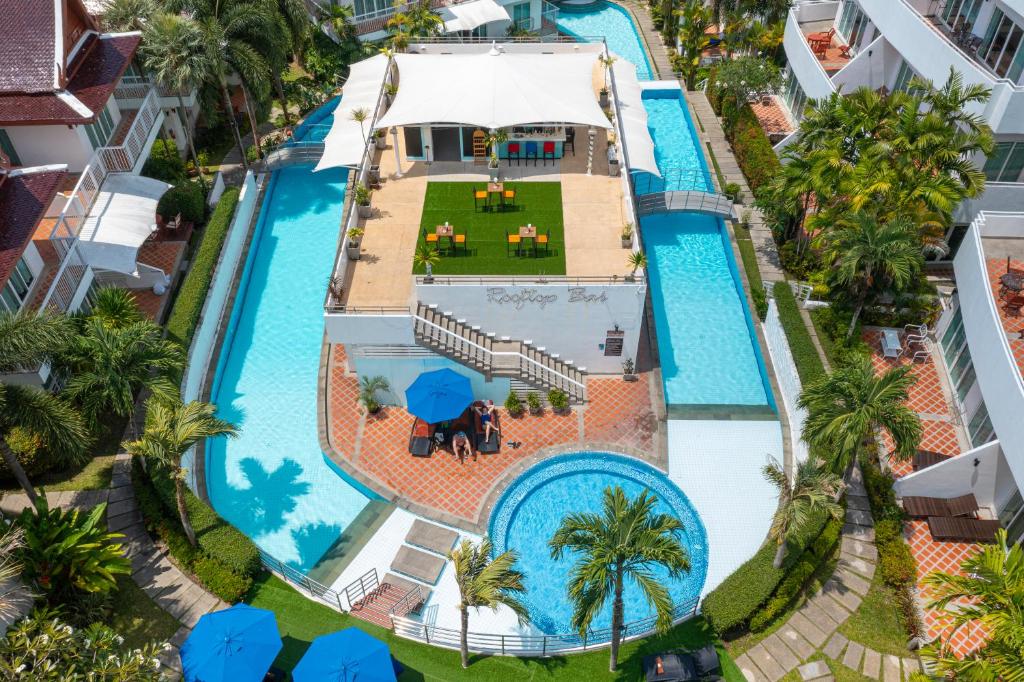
x: 121, y: 219
x: 469, y: 15
x: 346, y: 141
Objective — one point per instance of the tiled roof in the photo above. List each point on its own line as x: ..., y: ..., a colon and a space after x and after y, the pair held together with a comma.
x: 24, y: 198
x: 101, y: 64
x: 27, y: 50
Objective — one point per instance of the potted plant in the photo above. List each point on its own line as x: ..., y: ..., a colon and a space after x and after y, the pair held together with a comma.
x: 513, y: 405
x: 628, y: 370
x: 606, y: 62
x: 334, y: 286
x: 368, y: 389
x: 390, y: 90
x: 363, y: 195
x: 637, y: 261
x: 381, y: 139
x: 494, y: 139
x: 734, y: 192
x: 533, y: 402
x: 558, y: 400
x: 355, y: 237
x: 627, y: 235
x: 426, y: 257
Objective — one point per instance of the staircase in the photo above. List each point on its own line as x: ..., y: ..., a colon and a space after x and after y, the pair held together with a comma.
x: 376, y: 602
x: 492, y: 356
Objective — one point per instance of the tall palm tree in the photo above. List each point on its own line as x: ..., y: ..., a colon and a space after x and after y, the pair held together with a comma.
x: 695, y: 19
x: 127, y: 15
x: 172, y: 428
x: 869, y: 258
x: 173, y: 52
x: 27, y: 340
x: 116, y: 307
x: 848, y: 405
x: 485, y: 582
x: 626, y: 540
x: 361, y: 115
x: 988, y: 591
x: 110, y: 365
x: 342, y: 20
x: 423, y: 21
x: 814, y: 489
x: 288, y: 39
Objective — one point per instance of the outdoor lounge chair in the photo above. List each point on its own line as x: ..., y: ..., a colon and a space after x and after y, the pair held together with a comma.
x: 921, y: 507
x: 683, y: 666
x: 418, y: 565
x: 925, y: 458
x: 487, y: 447
x: 431, y: 537
x: 421, y: 439
x: 963, y: 530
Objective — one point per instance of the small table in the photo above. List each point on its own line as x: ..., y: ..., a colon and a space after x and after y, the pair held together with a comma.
x: 529, y: 232
x: 1014, y: 281
x: 446, y: 232
x: 495, y: 187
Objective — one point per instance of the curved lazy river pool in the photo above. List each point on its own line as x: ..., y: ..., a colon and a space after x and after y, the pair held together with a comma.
x: 531, y: 509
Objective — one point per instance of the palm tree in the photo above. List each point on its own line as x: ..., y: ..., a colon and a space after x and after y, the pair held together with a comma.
x: 423, y: 21
x: 342, y: 20
x: 426, y: 257
x: 27, y: 340
x: 174, y: 54
x: 693, y: 37
x: 627, y: 540
x: 127, y: 15
x: 13, y: 593
x: 485, y: 583
x: 987, y: 591
x: 606, y: 61
x: 814, y: 489
x: 172, y: 428
x: 636, y: 260
x: 115, y: 307
x: 361, y: 115
x: 869, y: 257
x: 848, y: 405
x: 110, y: 365
x: 369, y: 387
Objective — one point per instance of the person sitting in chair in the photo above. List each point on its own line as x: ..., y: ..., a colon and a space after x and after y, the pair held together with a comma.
x: 486, y: 412
x: 461, y: 446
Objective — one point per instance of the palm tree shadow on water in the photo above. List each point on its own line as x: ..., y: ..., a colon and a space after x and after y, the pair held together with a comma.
x: 270, y: 496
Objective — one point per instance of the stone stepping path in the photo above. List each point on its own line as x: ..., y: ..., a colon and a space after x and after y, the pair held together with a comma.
x: 814, y: 625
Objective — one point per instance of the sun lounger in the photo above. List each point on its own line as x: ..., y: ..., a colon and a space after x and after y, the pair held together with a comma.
x: 926, y: 458
x: 922, y: 507
x: 418, y: 565
x: 489, y: 446
x: 421, y: 439
x: 964, y: 530
x: 431, y: 537
x: 891, y: 347
x: 404, y: 586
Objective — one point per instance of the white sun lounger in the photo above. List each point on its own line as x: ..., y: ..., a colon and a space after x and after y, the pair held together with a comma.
x: 891, y: 347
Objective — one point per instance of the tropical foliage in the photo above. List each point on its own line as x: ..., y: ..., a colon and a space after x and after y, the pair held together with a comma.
x: 988, y: 591
x: 171, y: 430
x: 627, y: 540
x: 485, y: 582
x: 115, y: 307
x: 369, y: 392
x: 847, y: 406
x: 694, y: 20
x: 66, y: 553
x: 43, y: 647
x: 814, y: 490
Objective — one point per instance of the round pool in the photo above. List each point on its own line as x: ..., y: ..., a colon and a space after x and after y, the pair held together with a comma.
x: 531, y: 509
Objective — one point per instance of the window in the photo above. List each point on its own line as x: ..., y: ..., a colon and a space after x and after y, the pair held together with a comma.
x: 903, y: 78
x: 953, y: 338
x: 364, y: 7
x: 1006, y: 162
x: 18, y: 284
x: 980, y: 428
x: 1001, y: 48
x: 99, y: 131
x: 8, y: 148
x: 957, y: 13
x: 521, y: 16
x: 852, y: 22
x: 794, y: 96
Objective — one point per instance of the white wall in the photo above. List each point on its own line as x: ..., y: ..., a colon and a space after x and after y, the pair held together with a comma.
x: 998, y: 196
x: 33, y: 260
x: 959, y: 476
x: 44, y: 145
x: 869, y: 67
x: 566, y: 319
x: 804, y: 64
x: 816, y: 11
x: 384, y: 330
x: 401, y: 372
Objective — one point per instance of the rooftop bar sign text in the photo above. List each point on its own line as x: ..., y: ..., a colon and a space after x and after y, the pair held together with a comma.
x: 521, y: 298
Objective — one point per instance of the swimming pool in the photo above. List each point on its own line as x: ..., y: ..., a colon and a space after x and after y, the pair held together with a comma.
x: 531, y: 509
x: 613, y: 23
x: 676, y: 146
x: 272, y: 481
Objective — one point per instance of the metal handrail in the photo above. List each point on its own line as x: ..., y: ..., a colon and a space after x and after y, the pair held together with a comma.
x: 297, y: 577
x: 409, y: 600
x: 341, y: 308
x: 360, y: 583
x: 454, y: 280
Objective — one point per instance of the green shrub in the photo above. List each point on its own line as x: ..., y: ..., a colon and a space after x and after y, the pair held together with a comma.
x: 805, y: 355
x: 787, y: 591
x: 29, y: 448
x: 733, y: 191
x: 325, y: 60
x: 220, y: 579
x: 760, y: 300
x: 729, y: 606
x: 558, y: 399
x: 753, y: 150
x: 897, y: 564
x: 164, y: 163
x: 187, y: 199
x: 513, y: 405
x: 825, y: 544
x: 181, y: 324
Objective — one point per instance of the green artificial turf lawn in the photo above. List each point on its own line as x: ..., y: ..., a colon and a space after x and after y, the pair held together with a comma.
x: 138, y: 618
x: 537, y: 203
x: 301, y: 620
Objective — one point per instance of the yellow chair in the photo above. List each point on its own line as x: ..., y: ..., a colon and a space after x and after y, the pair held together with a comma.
x: 508, y: 197
x: 511, y: 239
x: 544, y: 239
x: 431, y: 238
x: 481, y: 194
x: 460, y: 240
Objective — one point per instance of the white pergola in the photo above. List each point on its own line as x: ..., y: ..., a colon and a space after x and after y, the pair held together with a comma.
x: 121, y: 219
x: 466, y: 16
x: 347, y: 139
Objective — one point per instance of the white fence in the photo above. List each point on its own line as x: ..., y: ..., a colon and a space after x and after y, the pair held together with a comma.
x: 787, y: 377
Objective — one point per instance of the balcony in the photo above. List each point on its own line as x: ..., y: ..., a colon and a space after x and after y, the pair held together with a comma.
x: 131, y: 91
x: 809, y: 70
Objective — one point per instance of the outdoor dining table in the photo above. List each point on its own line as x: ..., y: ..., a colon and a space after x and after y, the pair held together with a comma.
x: 1014, y: 281
x: 446, y: 231
x: 529, y: 232
x: 495, y: 187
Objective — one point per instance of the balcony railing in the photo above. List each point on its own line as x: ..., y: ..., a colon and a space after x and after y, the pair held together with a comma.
x: 124, y: 156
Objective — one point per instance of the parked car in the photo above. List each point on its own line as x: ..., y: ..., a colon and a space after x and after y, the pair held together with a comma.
x: 683, y: 666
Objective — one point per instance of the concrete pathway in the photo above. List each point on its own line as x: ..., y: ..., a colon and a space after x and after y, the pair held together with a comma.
x: 814, y: 625
x: 652, y: 39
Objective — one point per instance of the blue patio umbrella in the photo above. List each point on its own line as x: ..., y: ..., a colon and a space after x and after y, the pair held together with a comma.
x: 349, y: 655
x: 438, y: 396
x: 236, y: 644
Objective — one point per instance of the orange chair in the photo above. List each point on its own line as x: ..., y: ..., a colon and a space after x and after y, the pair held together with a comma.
x: 544, y: 239
x: 459, y: 240
x: 511, y: 239
x: 508, y: 197
x: 431, y: 238
x: 481, y: 194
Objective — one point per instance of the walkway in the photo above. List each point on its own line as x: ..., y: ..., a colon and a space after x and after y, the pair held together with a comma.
x: 814, y: 626
x: 652, y: 39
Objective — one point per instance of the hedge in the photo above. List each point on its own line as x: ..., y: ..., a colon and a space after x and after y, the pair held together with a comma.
x: 184, y: 317
x: 805, y: 354
x: 749, y: 258
x: 753, y: 150
x: 185, y: 199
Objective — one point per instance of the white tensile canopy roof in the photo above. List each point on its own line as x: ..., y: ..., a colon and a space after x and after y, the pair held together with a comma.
x: 633, y: 115
x: 495, y: 90
x: 345, y: 143
x: 120, y: 221
x: 469, y: 15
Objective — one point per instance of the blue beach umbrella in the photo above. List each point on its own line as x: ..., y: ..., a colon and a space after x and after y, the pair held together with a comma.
x: 233, y: 645
x: 350, y: 655
x: 438, y: 396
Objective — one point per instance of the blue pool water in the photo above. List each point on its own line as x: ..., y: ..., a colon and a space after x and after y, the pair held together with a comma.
x: 272, y: 481
x: 676, y: 146
x: 616, y: 26
x: 531, y: 509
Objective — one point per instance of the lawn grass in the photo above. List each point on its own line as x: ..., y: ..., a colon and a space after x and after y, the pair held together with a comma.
x: 877, y: 623
x: 138, y: 618
x: 95, y: 475
x: 301, y: 620
x: 537, y: 203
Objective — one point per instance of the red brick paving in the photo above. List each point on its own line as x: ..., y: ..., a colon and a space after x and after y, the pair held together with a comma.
x: 1013, y: 323
x: 772, y: 117
x: 618, y: 413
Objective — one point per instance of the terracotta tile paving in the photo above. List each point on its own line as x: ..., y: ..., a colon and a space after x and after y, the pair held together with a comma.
x: 928, y: 399
x: 773, y: 117
x: 618, y: 413
x: 1013, y: 323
